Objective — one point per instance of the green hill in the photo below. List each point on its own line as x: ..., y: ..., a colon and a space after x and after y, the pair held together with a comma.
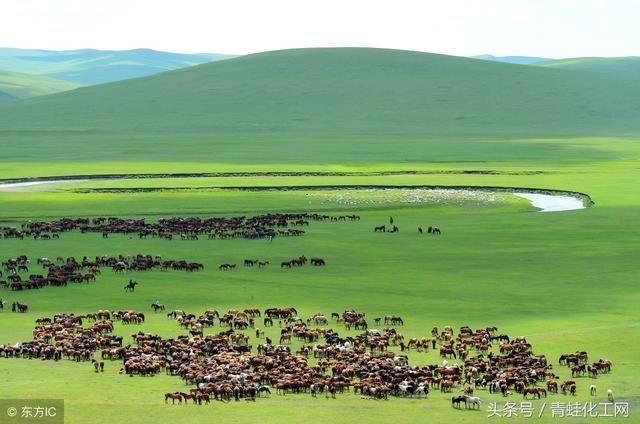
x: 21, y: 86
x: 608, y: 65
x: 324, y: 104
x: 91, y: 66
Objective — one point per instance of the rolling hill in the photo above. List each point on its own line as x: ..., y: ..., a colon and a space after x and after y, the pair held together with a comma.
x: 607, y: 65
x: 21, y: 86
x: 91, y: 66
x: 324, y: 105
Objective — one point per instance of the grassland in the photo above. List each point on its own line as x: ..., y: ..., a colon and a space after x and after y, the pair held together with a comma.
x: 21, y: 86
x: 567, y: 281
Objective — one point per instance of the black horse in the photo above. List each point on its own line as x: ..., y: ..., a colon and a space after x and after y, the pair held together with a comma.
x: 434, y: 230
x: 457, y: 400
x: 131, y: 286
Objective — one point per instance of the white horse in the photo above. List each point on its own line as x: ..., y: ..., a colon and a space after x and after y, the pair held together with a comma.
x: 421, y: 390
x: 610, y: 395
x: 473, y: 400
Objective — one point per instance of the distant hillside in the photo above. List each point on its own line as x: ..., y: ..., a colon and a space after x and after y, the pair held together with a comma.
x: 307, y: 104
x: 519, y: 60
x: 6, y: 97
x: 608, y: 65
x: 97, y: 66
x: 21, y: 86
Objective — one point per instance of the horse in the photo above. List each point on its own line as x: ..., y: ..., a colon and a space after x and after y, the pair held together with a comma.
x: 535, y: 391
x: 131, y: 286
x: 19, y: 307
x: 157, y: 307
x: 173, y: 396
x: 262, y: 263
x: 592, y: 390
x: 610, y: 395
x: 434, y: 230
x: 380, y: 229
x: 318, y: 262
x: 226, y: 267
x: 457, y: 400
x: 473, y: 401
x: 250, y: 262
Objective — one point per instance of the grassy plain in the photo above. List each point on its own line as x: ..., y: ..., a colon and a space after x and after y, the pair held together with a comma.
x: 567, y: 281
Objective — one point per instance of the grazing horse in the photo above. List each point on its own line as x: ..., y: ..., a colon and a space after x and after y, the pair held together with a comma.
x: 131, y: 286
x: 318, y: 262
x: 434, y: 230
x: 535, y: 391
x: 457, y: 400
x: 380, y: 229
x: 173, y: 396
x: 226, y: 267
x: 473, y: 400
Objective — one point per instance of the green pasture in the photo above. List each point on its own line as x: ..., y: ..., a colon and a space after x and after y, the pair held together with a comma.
x: 565, y: 280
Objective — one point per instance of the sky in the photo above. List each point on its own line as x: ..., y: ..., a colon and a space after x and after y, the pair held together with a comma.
x: 546, y: 28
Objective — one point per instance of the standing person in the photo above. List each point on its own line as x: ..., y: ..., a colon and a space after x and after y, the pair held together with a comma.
x: 270, y: 238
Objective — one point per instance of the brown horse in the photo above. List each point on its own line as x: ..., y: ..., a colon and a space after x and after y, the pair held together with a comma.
x: 173, y: 396
x: 535, y: 391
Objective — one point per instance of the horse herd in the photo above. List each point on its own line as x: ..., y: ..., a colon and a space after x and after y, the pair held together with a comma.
x: 188, y: 228
x: 223, y: 366
x: 65, y: 270
x: 291, y: 263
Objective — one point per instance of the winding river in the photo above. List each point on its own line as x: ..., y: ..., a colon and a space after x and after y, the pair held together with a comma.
x: 541, y: 201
